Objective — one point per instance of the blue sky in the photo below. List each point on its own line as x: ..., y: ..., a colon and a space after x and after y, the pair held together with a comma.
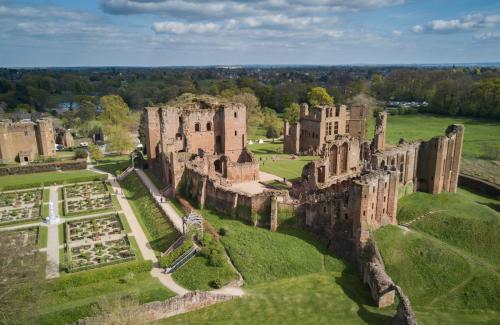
x: 194, y: 32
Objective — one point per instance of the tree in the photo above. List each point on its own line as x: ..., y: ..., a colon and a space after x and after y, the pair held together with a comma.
x: 272, y: 123
x: 95, y: 152
x: 119, y: 139
x: 115, y: 110
x: 292, y: 113
x: 319, y: 96
x: 254, y: 111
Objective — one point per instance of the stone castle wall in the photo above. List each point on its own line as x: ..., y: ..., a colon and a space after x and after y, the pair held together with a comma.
x: 25, y: 141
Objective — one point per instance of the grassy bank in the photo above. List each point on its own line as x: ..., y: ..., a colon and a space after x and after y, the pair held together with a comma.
x: 158, y: 229
x: 447, y: 262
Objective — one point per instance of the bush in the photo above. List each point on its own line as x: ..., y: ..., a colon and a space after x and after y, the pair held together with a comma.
x: 81, y: 153
x: 216, y: 259
x: 205, y: 252
x: 216, y: 284
x: 222, y: 231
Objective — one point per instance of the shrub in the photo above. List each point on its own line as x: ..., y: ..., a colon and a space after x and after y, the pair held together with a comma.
x: 216, y: 259
x: 216, y: 284
x: 205, y: 252
x: 222, y: 231
x: 81, y: 153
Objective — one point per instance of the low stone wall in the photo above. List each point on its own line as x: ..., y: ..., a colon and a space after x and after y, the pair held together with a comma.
x: 44, y: 167
x: 174, y: 306
x: 479, y: 185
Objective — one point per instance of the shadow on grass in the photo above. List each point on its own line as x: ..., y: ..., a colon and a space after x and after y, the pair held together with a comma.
x: 353, y: 288
x: 493, y: 206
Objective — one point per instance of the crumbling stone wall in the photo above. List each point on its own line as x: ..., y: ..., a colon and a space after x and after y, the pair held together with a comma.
x: 174, y: 306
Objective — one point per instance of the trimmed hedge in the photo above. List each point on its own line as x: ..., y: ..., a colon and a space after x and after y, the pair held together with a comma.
x: 75, y: 269
x: 93, y: 276
x: 100, y: 177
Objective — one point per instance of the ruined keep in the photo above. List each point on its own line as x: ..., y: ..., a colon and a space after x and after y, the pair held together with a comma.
x: 198, y: 148
x: 25, y: 141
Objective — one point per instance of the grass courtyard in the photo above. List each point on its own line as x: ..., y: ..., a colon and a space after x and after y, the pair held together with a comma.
x: 272, y: 160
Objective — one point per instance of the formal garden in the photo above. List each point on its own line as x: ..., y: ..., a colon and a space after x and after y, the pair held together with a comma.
x: 96, y: 242
x: 20, y: 206
x: 86, y: 197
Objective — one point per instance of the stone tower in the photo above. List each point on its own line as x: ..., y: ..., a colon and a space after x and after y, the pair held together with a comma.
x: 45, y: 138
x: 380, y: 130
x: 152, y: 133
x: 357, y: 121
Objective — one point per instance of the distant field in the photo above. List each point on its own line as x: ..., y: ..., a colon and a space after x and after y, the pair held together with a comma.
x: 481, y: 139
x: 447, y: 261
x: 46, y: 178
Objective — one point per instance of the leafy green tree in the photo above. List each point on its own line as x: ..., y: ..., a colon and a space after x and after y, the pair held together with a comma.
x: 319, y: 96
x: 272, y: 123
x: 119, y: 139
x: 292, y: 113
x: 115, y: 110
x: 95, y: 152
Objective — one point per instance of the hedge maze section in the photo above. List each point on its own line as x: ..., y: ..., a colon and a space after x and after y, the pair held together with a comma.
x: 96, y: 242
x: 85, y: 198
x: 20, y: 206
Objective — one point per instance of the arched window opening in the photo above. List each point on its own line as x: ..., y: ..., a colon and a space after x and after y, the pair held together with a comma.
x: 209, y: 126
x: 197, y: 127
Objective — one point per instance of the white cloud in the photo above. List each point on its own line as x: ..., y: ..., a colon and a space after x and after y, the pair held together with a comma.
x: 397, y: 33
x: 417, y: 29
x: 469, y: 22
x: 227, y: 8
x: 183, y: 28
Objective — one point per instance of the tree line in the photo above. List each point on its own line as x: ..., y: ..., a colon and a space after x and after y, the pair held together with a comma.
x: 467, y: 91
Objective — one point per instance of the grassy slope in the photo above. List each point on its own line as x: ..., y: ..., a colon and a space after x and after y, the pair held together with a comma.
x: 447, y: 262
x: 285, y: 167
x: 261, y: 255
x: 321, y: 298
x: 46, y: 178
x: 158, y: 229
x: 478, y: 134
x: 468, y: 222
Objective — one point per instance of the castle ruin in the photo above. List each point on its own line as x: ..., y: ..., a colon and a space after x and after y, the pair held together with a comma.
x: 199, y: 150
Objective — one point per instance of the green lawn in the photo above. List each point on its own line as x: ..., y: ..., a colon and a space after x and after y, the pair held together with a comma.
x: 39, y: 179
x: 447, y: 262
x: 197, y: 274
x: 480, y: 137
x: 158, y: 229
x: 110, y: 164
x: 42, y: 236
x: 283, y: 166
x: 320, y: 298
x: 263, y: 256
x: 66, y: 301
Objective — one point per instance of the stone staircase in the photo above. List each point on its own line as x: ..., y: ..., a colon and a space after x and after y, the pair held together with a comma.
x: 125, y: 173
x: 182, y: 260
